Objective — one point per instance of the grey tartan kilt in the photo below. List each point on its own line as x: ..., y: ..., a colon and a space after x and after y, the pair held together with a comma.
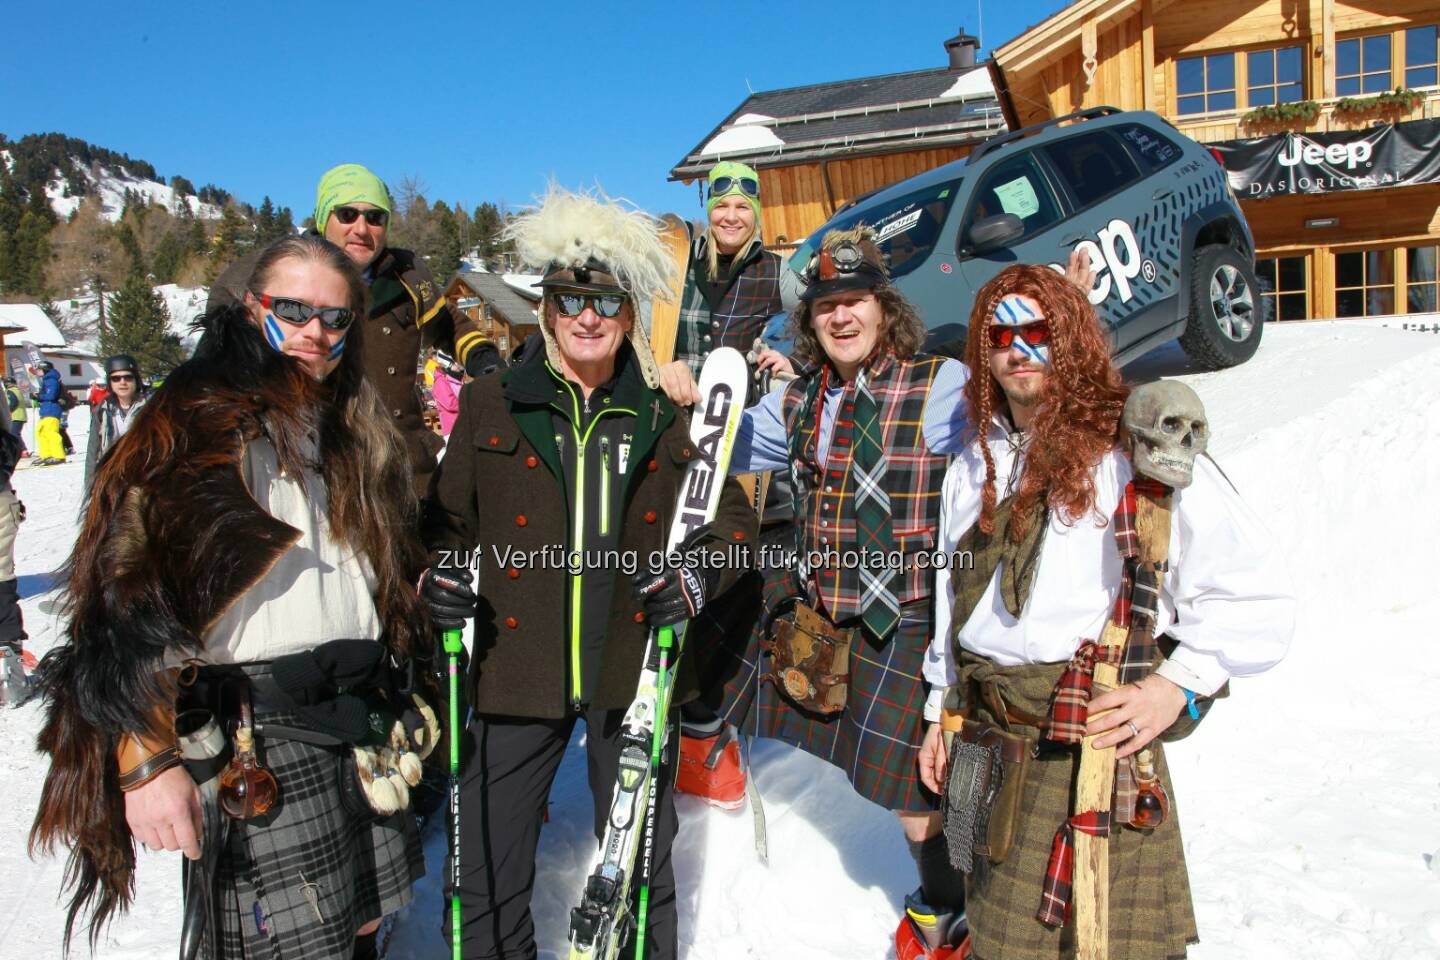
x: 300, y: 881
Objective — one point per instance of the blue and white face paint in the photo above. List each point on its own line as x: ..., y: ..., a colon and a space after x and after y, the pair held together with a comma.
x: 1014, y: 311
x: 274, y: 333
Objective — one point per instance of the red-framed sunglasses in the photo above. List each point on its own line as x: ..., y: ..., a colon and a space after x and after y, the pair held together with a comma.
x: 298, y: 312
x: 1036, y: 334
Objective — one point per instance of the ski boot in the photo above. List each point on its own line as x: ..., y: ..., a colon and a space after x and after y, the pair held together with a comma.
x: 926, y: 933
x: 710, y: 766
x: 14, y: 684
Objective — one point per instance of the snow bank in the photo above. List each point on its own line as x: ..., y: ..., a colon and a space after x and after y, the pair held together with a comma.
x: 748, y: 132
x: 1308, y: 799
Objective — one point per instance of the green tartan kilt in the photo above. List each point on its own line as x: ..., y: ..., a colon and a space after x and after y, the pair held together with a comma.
x: 876, y: 739
x: 1151, y: 915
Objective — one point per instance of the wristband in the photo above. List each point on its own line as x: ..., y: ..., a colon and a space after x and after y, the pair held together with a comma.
x: 1190, y: 703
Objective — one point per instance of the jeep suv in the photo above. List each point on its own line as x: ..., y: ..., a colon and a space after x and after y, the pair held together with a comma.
x: 1172, y: 253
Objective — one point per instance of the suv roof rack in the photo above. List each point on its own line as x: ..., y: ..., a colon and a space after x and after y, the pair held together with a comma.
x: 1094, y: 113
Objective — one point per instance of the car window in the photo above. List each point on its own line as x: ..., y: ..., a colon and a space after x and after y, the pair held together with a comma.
x: 1016, y: 185
x: 1149, y: 148
x: 906, y: 227
x: 1093, y: 165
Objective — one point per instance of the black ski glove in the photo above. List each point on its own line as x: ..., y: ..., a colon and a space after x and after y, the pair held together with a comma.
x: 678, y: 593
x: 446, y: 591
x: 483, y: 358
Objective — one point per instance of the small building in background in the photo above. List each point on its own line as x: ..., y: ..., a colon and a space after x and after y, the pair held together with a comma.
x: 28, y: 323
x: 1326, y: 114
x: 505, y: 306
x: 818, y: 147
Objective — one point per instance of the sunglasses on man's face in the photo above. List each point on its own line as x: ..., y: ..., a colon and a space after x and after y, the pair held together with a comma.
x: 348, y: 215
x: 573, y: 304
x: 1035, y: 334
x: 723, y: 185
x: 298, y: 312
x: 122, y: 378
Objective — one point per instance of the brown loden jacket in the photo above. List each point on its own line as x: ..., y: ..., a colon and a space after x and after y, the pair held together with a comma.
x: 501, y: 486
x: 408, y: 314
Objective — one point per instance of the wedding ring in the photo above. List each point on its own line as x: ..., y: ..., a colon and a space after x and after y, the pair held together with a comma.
x: 1133, y: 729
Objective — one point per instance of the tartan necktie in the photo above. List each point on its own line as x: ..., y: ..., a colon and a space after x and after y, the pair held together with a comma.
x: 872, y: 514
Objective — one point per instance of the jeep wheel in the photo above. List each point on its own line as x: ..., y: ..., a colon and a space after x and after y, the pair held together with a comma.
x: 1227, y: 311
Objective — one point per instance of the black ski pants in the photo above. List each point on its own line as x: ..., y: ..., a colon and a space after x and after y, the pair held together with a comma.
x: 510, y: 764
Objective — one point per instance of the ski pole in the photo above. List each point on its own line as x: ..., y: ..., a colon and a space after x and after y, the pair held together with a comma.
x: 665, y: 640
x: 453, y: 646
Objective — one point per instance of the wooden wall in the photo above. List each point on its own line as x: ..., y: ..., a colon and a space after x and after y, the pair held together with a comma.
x: 794, y: 199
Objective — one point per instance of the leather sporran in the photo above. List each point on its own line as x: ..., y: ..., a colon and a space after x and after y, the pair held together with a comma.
x: 983, y: 791
x: 810, y: 659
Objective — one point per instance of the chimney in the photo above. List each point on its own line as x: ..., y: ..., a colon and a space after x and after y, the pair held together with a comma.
x: 962, y: 49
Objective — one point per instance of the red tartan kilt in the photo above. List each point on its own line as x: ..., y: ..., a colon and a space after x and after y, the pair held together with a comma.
x: 876, y: 739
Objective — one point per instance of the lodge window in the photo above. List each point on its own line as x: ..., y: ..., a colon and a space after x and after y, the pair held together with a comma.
x: 1422, y: 287
x: 1362, y: 65
x: 1364, y: 283
x: 1422, y: 57
x: 1205, y: 84
x: 74, y: 369
x: 1285, y: 283
x: 1274, y: 76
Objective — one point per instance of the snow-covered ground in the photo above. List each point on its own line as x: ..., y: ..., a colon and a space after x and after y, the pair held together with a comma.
x: 109, y: 185
x: 1310, y: 799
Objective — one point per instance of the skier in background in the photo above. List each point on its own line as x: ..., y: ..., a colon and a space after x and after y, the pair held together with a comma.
x: 48, y: 440
x: 113, y: 414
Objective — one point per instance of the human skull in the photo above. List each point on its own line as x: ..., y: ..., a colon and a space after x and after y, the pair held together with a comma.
x: 1165, y: 428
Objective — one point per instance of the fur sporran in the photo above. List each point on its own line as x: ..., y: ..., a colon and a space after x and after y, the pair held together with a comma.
x: 810, y: 659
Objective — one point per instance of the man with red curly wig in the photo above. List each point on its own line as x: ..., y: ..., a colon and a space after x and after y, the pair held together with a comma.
x: 1035, y: 498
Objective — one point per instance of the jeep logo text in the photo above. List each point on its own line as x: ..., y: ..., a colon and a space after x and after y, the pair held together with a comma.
x: 1300, y: 150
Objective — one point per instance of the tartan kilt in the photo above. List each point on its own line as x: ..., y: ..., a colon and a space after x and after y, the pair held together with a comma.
x: 1151, y: 915
x: 876, y: 739
x: 358, y: 867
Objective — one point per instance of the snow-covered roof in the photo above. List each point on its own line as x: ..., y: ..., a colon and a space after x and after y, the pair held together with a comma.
x: 35, y: 325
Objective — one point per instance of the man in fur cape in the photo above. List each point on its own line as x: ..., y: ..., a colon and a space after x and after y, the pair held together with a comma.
x: 257, y: 508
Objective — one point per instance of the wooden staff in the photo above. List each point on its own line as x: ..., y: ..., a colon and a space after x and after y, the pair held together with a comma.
x: 1096, y: 782
x: 665, y: 315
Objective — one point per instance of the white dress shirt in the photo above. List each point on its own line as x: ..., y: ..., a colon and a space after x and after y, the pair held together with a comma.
x: 1226, y: 599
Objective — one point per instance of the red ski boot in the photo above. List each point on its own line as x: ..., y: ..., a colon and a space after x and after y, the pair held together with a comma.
x: 710, y: 766
x: 929, y: 934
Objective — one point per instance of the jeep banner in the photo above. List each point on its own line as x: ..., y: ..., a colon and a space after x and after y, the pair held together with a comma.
x: 1393, y: 155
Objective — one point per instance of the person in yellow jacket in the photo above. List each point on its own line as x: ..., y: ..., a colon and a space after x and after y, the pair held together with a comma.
x: 19, y: 407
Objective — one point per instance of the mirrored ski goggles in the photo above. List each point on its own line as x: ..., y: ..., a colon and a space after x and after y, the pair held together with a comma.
x: 298, y: 312
x: 746, y: 185
x: 348, y: 215
x: 1036, y: 334
x: 573, y: 304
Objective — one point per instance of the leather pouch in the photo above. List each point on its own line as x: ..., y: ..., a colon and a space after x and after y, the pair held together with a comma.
x: 998, y: 763
x: 810, y: 659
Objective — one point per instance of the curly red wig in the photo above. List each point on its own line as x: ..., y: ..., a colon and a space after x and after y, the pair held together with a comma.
x: 1078, y: 417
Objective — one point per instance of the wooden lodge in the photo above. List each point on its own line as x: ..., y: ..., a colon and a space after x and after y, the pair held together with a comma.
x: 506, y: 312
x: 818, y: 147
x: 1351, y: 241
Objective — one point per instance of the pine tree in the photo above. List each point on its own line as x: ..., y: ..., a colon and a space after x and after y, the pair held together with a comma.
x: 136, y: 323
x: 444, y: 256
x: 229, y: 244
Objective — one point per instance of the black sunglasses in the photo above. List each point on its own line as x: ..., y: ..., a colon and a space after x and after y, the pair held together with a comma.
x: 122, y: 378
x: 298, y: 312
x: 573, y: 304
x: 723, y: 185
x: 348, y: 215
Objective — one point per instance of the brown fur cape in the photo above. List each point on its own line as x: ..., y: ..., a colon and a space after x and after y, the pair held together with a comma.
x: 170, y: 539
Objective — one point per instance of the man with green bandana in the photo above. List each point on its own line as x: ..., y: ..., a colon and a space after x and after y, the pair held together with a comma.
x: 408, y: 313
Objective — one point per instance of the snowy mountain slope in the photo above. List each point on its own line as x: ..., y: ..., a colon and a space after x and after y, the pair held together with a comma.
x: 109, y: 184
x: 1308, y: 799
x: 184, y: 304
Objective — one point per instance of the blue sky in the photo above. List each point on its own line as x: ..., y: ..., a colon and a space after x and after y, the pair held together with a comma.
x: 477, y: 101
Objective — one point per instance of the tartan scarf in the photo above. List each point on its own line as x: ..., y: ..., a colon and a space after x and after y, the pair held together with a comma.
x: 873, y: 530
x: 1136, y: 608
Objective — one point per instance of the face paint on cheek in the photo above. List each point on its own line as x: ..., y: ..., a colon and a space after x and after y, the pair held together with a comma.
x: 336, y: 350
x: 1040, y: 354
x: 273, y: 332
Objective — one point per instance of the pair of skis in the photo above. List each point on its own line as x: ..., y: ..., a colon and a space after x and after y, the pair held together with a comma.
x: 599, y: 925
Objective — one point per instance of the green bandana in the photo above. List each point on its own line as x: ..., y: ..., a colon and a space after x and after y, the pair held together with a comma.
x: 348, y: 183
x: 734, y: 170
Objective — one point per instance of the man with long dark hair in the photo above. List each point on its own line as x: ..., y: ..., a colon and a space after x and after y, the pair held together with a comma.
x: 1043, y: 499
x: 243, y: 579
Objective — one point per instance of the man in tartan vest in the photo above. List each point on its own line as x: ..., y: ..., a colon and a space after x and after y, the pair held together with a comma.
x: 864, y: 435
x: 1044, y: 498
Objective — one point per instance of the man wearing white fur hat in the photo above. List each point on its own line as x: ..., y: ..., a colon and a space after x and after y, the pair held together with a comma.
x: 578, y: 459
